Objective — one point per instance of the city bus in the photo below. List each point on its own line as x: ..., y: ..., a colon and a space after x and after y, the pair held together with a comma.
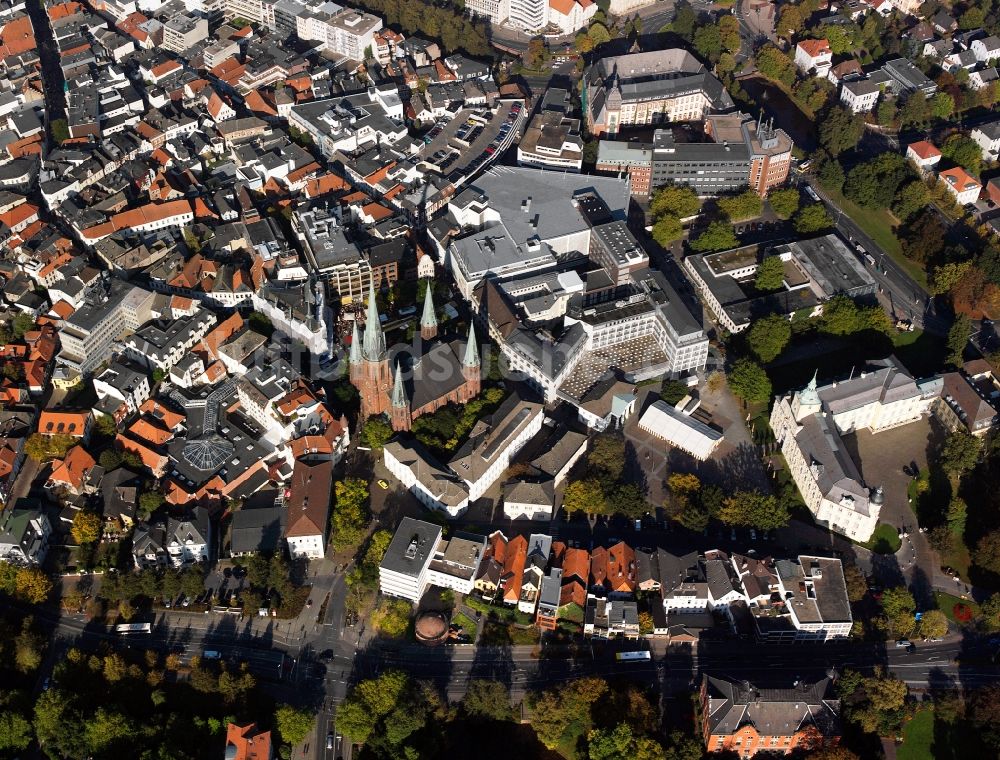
x: 126, y: 629
x: 633, y: 656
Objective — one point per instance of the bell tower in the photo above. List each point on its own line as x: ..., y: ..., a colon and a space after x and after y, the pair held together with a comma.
x: 471, y: 368
x: 400, y: 412
x: 428, y: 321
x: 373, y: 378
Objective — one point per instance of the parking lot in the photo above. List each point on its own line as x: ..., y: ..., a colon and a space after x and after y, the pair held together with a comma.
x: 473, y: 139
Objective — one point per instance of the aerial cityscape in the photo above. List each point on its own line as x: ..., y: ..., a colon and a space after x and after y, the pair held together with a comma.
x: 559, y: 379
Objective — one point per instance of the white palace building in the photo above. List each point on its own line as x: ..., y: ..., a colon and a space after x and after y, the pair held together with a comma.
x: 808, y: 426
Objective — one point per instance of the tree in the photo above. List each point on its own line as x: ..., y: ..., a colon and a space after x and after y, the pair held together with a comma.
x: 610, y: 744
x: 43, y: 448
x: 599, y: 34
x: 672, y: 391
x: 923, y: 237
x: 684, y: 21
x: 15, y: 732
x: 746, y: 205
x: 958, y: 338
x: 60, y: 130
x: 718, y: 236
x: 973, y: 18
x: 784, y: 202
x: 754, y: 509
x: 32, y: 585
x: 708, y: 41
x: 899, y: 606
x: 729, y: 33
x: 857, y: 584
x: 775, y: 65
x: 376, y: 433
x: 392, y: 617
x: 987, y: 554
x: 666, y: 230
x: 944, y: 277
x: 679, y: 201
x: 790, y: 21
x: 350, y: 519
x: 963, y: 151
x: 886, y: 112
x: 585, y: 496
x: 956, y: 516
x: 293, y: 724
x: 768, y: 336
x: 915, y: 110
x: 990, y: 612
x: 840, y: 130
x: 149, y: 502
x: 487, y: 700
x: 933, y: 625
x: 831, y: 175
x: 748, y: 381
x: 556, y: 707
x: 86, y: 528
x: 960, y: 452
x: 607, y: 457
x: 911, y: 198
x: 811, y: 219
x: 28, y: 648
x: 109, y: 460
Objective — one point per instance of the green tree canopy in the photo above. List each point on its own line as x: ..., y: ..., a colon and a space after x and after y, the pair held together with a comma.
x: 350, y: 514
x: 376, y: 433
x: 899, y: 606
x: 754, y: 509
x: 963, y: 151
x: 933, y: 625
x: 718, y: 236
x: 768, y: 337
x: 784, y: 202
x: 746, y: 205
x: 811, y: 219
x: 840, y: 130
x: 770, y: 274
x: 666, y: 230
x: 294, y: 724
x: 487, y: 700
x: 679, y: 201
x: 751, y: 383
x: 585, y: 496
x: 960, y: 452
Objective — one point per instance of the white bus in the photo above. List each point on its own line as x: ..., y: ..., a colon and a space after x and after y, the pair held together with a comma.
x: 129, y: 628
x: 633, y: 656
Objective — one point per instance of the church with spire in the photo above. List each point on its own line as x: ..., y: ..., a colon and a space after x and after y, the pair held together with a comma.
x: 407, y: 386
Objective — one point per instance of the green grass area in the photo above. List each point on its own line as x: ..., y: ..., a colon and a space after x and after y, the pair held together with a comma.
x: 499, y: 634
x: 946, y: 603
x: 878, y: 225
x: 918, y: 737
x: 498, y: 612
x: 885, y: 540
x: 467, y: 624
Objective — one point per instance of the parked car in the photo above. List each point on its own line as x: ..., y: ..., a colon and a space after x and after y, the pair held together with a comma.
x: 903, y: 643
x: 382, y: 483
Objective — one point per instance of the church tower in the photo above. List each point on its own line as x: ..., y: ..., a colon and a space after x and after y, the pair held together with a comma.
x: 470, y: 366
x: 355, y: 360
x: 806, y: 401
x: 428, y: 321
x: 373, y: 378
x: 400, y: 412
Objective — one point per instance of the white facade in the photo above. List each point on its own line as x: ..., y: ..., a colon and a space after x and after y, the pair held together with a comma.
x: 859, y: 96
x: 133, y: 394
x: 987, y: 49
x: 529, y: 15
x: 813, y: 56
x: 405, y: 569
x: 961, y: 185
x: 306, y: 547
x: 570, y: 15
x: 987, y: 137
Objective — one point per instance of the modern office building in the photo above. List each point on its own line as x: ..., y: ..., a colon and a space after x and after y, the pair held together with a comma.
x: 405, y: 567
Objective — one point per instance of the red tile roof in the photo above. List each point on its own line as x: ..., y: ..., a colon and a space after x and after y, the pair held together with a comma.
x: 925, y: 149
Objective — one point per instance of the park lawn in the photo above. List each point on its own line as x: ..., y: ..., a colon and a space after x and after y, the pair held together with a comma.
x: 946, y: 603
x: 467, y: 624
x: 878, y: 225
x: 918, y: 737
x: 885, y: 540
